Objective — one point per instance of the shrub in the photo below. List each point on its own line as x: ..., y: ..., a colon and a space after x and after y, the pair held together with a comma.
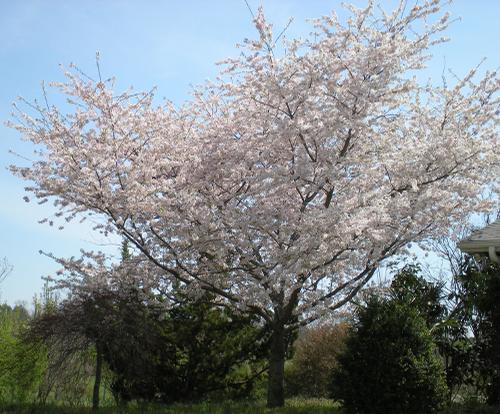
x: 390, y: 364
x: 196, y: 351
x: 308, y: 373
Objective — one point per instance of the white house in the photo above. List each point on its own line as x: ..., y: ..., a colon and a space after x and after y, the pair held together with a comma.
x: 484, y: 241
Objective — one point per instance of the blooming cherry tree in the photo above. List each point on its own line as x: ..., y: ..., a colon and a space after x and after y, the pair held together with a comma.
x: 283, y: 185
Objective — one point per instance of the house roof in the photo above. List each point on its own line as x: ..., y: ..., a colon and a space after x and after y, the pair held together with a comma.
x: 480, y: 240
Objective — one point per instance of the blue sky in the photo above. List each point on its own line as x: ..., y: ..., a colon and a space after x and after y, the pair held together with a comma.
x: 170, y: 44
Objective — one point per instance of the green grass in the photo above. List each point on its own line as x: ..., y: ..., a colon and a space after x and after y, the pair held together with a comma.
x: 292, y: 407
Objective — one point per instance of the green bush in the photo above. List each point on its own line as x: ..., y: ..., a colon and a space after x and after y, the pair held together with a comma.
x: 390, y: 364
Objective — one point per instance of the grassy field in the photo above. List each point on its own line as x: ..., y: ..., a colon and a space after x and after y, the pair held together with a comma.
x: 292, y: 407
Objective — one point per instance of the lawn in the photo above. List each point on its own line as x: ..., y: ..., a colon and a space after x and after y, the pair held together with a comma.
x: 292, y: 407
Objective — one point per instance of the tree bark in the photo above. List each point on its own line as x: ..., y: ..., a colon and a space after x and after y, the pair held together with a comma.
x: 98, y: 374
x: 276, y: 377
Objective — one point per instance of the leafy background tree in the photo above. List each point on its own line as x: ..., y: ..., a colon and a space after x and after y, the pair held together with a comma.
x: 478, y: 313
x: 21, y: 365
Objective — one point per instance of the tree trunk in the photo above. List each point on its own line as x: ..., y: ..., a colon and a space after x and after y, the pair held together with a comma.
x: 275, y: 385
x: 98, y: 374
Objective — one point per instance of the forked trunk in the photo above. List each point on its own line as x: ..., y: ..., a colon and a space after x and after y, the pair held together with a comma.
x: 275, y: 386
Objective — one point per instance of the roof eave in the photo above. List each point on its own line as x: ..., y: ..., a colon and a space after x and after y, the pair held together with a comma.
x: 478, y: 246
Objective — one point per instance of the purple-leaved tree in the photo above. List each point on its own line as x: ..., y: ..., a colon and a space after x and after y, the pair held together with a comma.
x: 283, y: 185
